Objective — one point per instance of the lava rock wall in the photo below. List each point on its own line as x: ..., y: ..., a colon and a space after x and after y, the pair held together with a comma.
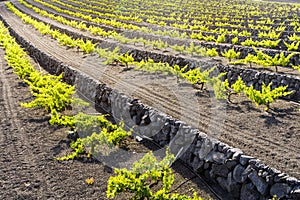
x: 242, y: 176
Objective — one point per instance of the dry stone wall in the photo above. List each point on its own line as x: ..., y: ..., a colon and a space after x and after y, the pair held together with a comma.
x: 244, y: 177
x: 250, y: 76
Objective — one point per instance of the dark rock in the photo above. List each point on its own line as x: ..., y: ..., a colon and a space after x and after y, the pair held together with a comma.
x: 244, y: 159
x: 274, y: 171
x: 236, y: 153
x: 206, y: 147
x: 230, y: 164
x: 206, y: 165
x: 269, y: 179
x: 197, y: 163
x: 238, y: 174
x: 218, y: 170
x: 233, y: 187
x: 253, y: 162
x: 216, y: 157
x: 248, y: 192
x: 174, y: 130
x: 292, y: 180
x: 163, y: 143
x: 221, y: 147
x: 295, y: 193
x: 280, y: 177
x: 280, y: 190
x: 259, y: 165
x: 207, y: 175
x: 108, y: 169
x: 166, y: 128
x: 222, y: 182
x: 198, y: 144
x: 264, y: 174
x: 260, y: 184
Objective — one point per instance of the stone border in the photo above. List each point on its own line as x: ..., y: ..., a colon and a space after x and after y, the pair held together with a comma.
x: 221, y: 47
x: 242, y: 176
x: 249, y: 76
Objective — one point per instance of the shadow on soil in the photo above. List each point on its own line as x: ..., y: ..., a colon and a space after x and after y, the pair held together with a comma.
x: 273, y: 116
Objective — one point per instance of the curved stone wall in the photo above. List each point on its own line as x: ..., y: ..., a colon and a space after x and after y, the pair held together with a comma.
x: 242, y: 176
x: 250, y: 76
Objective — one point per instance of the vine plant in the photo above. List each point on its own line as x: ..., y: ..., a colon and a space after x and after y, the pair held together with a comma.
x: 55, y: 97
x: 145, y: 174
x: 265, y: 97
x: 110, y: 135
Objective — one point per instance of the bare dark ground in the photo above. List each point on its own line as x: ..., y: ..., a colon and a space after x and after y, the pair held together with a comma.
x: 272, y: 137
x: 28, y: 145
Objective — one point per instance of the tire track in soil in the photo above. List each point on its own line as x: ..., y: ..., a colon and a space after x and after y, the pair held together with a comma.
x: 231, y: 134
x: 13, y: 144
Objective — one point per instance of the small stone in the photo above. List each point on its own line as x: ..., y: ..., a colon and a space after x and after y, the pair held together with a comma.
x: 270, y: 179
x: 259, y: 165
x: 198, y: 144
x: 230, y: 164
x: 257, y: 75
x: 260, y: 183
x: 237, y: 154
x: 221, y: 146
x: 206, y: 147
x: 232, y: 186
x: 248, y: 192
x: 264, y: 174
x: 215, y: 157
x: 225, y: 150
x: 280, y: 190
x: 292, y: 181
x: 295, y: 193
x: 235, y: 150
x: 238, y: 174
x: 219, y: 170
x: 244, y: 159
x: 260, y: 172
x: 253, y: 162
x: 206, y: 165
x: 197, y: 163
x: 274, y: 171
x: 166, y: 128
x: 283, y: 82
x: 280, y: 177
x: 174, y: 130
x: 178, y: 123
x: 145, y: 120
x: 222, y: 182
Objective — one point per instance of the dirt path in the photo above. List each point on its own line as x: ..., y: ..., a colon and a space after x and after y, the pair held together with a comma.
x: 274, y: 138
